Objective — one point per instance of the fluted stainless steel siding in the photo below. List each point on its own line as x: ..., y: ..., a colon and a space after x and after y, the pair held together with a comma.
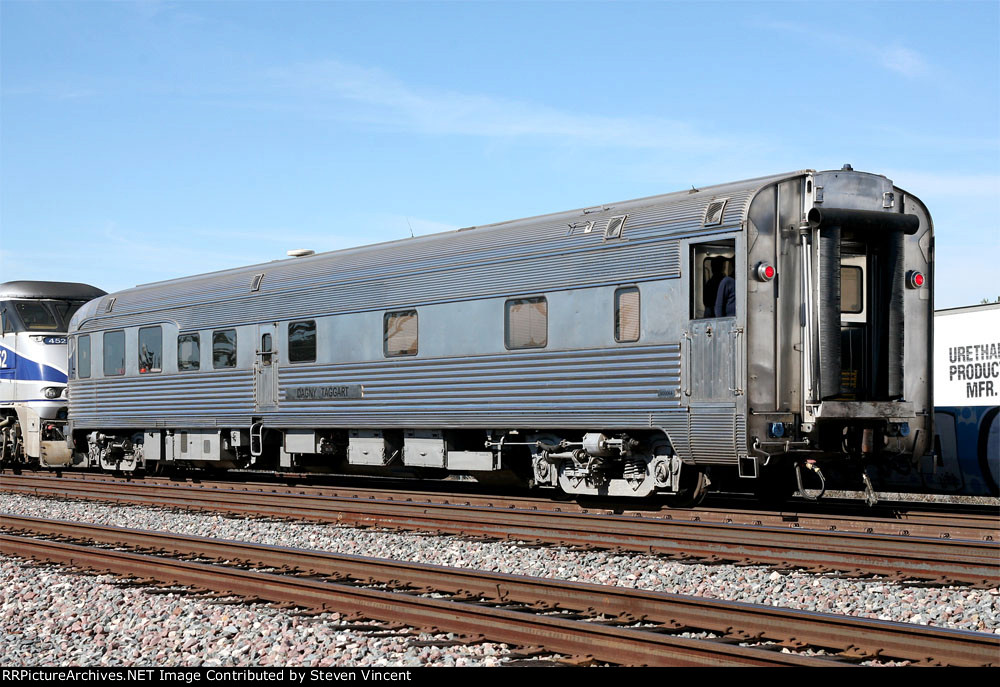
x: 208, y: 399
x: 605, y: 388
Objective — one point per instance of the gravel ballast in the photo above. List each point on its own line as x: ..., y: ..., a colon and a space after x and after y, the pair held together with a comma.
x: 54, y: 618
x: 953, y: 607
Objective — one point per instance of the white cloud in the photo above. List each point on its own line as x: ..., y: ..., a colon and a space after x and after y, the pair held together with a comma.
x: 895, y: 58
x: 379, y: 98
x: 902, y: 61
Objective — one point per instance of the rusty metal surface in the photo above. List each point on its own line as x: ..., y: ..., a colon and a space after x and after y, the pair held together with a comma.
x: 828, y: 515
x: 614, y: 644
x: 838, y: 633
x: 909, y: 557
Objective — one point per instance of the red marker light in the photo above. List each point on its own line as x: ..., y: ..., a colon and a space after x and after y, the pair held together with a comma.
x: 915, y: 279
x: 765, y: 272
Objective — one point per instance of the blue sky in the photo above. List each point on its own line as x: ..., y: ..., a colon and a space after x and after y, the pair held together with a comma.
x: 142, y: 141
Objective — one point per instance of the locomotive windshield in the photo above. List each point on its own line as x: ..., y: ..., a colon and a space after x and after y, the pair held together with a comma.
x: 41, y: 316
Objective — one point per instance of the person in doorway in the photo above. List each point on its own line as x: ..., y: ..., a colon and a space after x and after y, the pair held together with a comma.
x: 725, y: 300
x: 709, y: 295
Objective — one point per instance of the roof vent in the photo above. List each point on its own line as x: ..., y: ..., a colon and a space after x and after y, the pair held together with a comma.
x: 581, y: 227
x: 847, y: 168
x: 714, y: 212
x: 615, y: 226
x: 257, y: 279
x: 111, y: 304
x: 300, y: 253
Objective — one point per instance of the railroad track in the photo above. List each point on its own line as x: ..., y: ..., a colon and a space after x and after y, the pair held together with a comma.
x: 980, y: 524
x: 608, y: 624
x: 907, y: 557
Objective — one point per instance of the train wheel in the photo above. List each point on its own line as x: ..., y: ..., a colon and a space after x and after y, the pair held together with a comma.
x: 694, y: 487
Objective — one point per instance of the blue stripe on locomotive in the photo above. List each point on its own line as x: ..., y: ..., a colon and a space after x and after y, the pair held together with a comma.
x: 28, y: 370
x: 977, y: 445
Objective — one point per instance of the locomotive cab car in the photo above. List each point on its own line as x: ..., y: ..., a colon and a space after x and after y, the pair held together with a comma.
x: 34, y: 316
x: 741, y: 331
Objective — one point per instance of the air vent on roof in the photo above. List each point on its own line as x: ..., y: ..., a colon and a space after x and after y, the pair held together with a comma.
x: 714, y: 212
x: 111, y: 304
x: 257, y: 279
x: 615, y: 226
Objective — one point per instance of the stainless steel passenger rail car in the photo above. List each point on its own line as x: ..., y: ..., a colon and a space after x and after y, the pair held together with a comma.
x: 34, y: 316
x: 622, y: 349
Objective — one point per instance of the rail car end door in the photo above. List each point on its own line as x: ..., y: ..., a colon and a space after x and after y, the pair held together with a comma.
x: 713, y: 365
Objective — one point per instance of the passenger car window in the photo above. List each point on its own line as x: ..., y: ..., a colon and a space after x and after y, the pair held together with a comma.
x: 627, y: 314
x: 83, y: 356
x: 302, y: 342
x: 188, y: 352
x: 526, y: 323
x: 224, y: 348
x: 400, y: 333
x: 150, y: 350
x: 114, y: 353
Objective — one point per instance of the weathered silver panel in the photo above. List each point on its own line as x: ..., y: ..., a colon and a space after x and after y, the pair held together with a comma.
x: 152, y: 445
x: 714, y: 359
x: 368, y: 447
x: 424, y: 448
x: 300, y: 441
x: 470, y: 460
x: 198, y: 445
x: 865, y: 409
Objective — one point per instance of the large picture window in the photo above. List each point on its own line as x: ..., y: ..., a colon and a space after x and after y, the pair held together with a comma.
x: 114, y: 353
x: 526, y: 323
x: 150, y: 350
x: 188, y: 352
x: 224, y: 348
x: 302, y: 342
x: 400, y: 333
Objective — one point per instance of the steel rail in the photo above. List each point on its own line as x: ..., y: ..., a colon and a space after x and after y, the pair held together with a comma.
x: 909, y: 557
x: 856, y: 637
x: 619, y: 645
x: 827, y: 517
